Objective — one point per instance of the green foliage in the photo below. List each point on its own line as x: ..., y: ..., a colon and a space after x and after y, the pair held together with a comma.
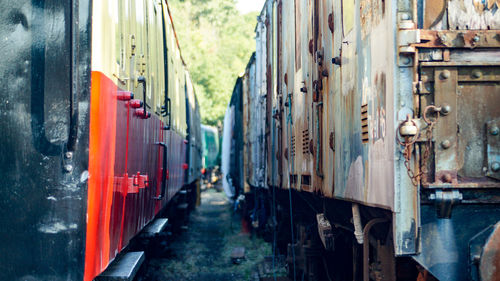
x: 216, y: 42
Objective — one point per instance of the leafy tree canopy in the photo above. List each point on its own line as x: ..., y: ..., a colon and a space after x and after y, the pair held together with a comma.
x: 217, y: 42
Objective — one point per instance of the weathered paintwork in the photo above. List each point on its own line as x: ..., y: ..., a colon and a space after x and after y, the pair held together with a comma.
x: 340, y: 76
x: 305, y: 36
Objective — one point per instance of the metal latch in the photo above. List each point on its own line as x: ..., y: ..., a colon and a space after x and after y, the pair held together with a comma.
x: 409, y: 128
x: 444, y: 201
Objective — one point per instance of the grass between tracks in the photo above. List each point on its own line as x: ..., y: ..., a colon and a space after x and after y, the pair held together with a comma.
x: 203, y: 252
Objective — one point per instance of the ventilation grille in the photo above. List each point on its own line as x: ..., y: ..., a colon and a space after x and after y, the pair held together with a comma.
x: 364, y: 124
x: 293, y: 145
x: 305, y: 141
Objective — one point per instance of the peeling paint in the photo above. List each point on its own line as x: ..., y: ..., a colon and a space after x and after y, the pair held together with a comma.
x: 355, y: 180
x: 57, y: 227
x: 473, y: 14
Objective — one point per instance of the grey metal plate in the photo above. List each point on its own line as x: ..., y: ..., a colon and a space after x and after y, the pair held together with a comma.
x: 123, y: 268
x: 155, y: 227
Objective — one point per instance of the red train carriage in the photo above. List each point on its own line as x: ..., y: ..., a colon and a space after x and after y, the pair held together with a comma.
x: 100, y: 126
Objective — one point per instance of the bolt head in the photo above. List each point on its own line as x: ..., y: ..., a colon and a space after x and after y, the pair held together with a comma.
x: 447, y: 178
x: 68, y: 155
x: 494, y: 131
x: 405, y: 60
x: 445, y: 74
x: 68, y: 168
x: 476, y: 38
x: 495, y: 167
x: 477, y: 74
x: 446, y: 109
x: 446, y: 144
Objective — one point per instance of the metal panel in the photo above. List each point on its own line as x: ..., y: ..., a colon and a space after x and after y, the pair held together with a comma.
x: 463, y: 131
x: 364, y: 169
x: 45, y: 93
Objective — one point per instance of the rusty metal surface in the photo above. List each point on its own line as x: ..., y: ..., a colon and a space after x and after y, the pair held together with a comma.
x: 458, y: 39
x: 465, y: 136
x: 320, y: 99
x: 312, y: 103
x: 434, y: 12
x: 340, y: 76
x: 446, y: 143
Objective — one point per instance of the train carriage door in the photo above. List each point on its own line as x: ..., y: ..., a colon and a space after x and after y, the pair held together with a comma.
x: 323, y: 97
x: 138, y: 45
x: 299, y: 133
x: 301, y: 138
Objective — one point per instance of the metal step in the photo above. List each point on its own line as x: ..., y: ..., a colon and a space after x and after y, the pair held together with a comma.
x: 154, y: 228
x: 123, y: 268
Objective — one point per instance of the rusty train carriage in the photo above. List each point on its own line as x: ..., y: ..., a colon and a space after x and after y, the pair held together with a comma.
x: 384, y: 114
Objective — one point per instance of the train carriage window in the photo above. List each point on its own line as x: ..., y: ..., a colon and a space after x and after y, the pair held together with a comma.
x: 165, y: 68
x: 347, y: 16
x: 120, y: 52
x: 159, y: 97
x: 149, y: 72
